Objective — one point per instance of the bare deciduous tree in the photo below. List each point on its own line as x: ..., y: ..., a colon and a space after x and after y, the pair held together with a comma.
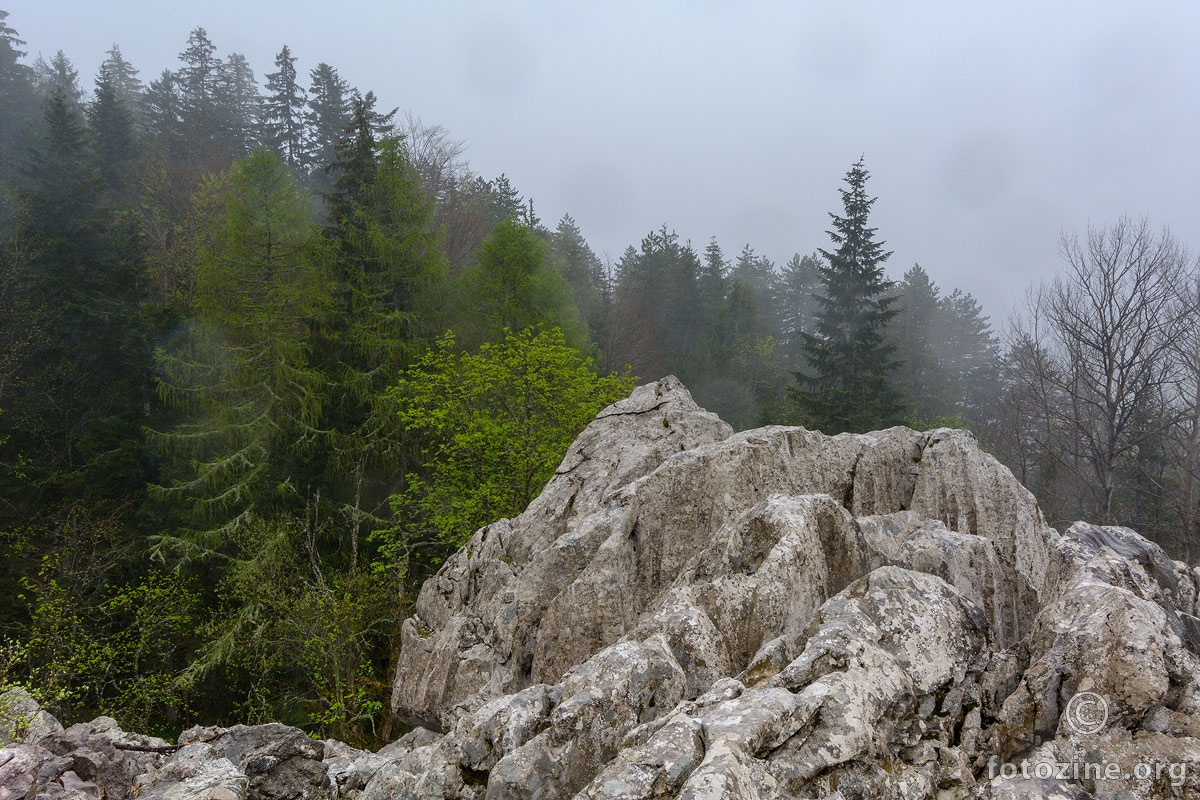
x: 462, y: 214
x: 1097, y: 357
x: 1182, y: 447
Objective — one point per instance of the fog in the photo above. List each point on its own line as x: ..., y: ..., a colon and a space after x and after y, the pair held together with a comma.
x: 989, y: 130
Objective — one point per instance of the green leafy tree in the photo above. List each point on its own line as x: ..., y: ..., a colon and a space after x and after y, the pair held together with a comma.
x: 493, y: 426
x: 294, y: 639
x: 848, y: 385
x: 514, y: 285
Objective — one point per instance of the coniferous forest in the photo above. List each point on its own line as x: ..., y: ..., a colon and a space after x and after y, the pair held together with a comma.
x: 270, y: 351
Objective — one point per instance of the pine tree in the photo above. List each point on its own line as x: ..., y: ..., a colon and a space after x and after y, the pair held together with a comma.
x: 18, y: 101
x: 283, y: 111
x: 848, y: 386
x: 329, y: 113
x: 584, y: 272
x: 58, y: 74
x: 914, y: 328
x: 797, y: 306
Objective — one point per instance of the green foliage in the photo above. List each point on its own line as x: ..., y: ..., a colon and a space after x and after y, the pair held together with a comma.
x: 388, y: 280
x: 847, y: 386
x: 95, y: 646
x: 493, y: 427
x: 73, y: 353
x: 514, y: 285
x: 584, y: 272
x: 294, y: 640
x: 240, y: 371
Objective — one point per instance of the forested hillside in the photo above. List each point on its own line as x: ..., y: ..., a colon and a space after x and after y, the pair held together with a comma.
x: 269, y: 352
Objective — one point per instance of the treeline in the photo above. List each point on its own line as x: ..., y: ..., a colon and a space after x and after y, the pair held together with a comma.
x: 267, y: 357
x: 223, y: 463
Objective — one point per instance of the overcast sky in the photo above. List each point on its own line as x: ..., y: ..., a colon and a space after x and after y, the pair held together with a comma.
x: 989, y: 129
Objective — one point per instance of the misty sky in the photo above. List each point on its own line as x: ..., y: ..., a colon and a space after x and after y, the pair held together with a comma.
x: 989, y: 130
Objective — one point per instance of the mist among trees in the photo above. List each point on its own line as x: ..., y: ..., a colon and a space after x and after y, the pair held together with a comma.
x: 269, y: 351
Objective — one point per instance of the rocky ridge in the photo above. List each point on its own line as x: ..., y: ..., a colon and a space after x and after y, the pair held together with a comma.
x: 685, y: 612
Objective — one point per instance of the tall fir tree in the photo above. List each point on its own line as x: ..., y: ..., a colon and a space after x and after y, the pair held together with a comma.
x: 848, y: 385
x: 919, y: 378
x: 329, y: 113
x: 387, y: 277
x: 969, y: 354
x: 283, y: 111
x: 112, y: 125
x: 576, y: 262
x: 239, y: 106
x: 18, y: 101
x: 797, y: 306
x: 81, y: 389
x: 60, y: 73
x: 122, y: 76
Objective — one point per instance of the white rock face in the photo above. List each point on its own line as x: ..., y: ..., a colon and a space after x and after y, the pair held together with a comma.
x: 689, y: 613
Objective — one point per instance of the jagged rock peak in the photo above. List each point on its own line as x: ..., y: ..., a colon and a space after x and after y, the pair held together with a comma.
x: 688, y: 612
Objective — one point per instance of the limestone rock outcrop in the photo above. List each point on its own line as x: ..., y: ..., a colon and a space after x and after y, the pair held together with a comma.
x: 688, y: 612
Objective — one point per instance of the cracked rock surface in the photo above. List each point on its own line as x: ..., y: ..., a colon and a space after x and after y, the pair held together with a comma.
x: 685, y: 612
x: 691, y: 613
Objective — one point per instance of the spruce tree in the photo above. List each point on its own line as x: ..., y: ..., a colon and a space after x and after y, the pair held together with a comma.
x: 387, y: 276
x: 284, y: 111
x: 239, y: 105
x: 797, y: 306
x: 921, y: 378
x: 329, y: 113
x: 847, y: 386
x: 74, y: 401
x: 576, y: 261
x: 18, y: 103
